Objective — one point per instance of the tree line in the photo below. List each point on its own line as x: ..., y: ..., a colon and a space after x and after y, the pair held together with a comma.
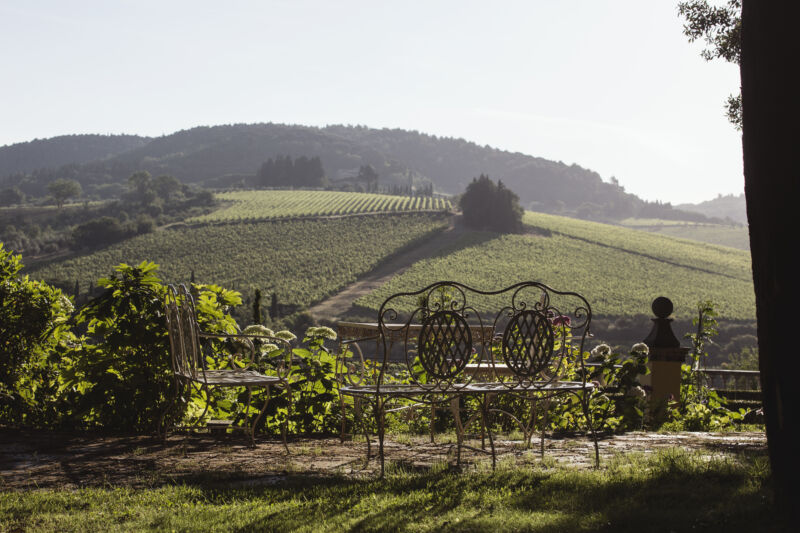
x: 283, y: 171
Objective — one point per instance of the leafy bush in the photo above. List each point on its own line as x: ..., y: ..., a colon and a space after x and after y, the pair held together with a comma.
x: 310, y: 404
x: 33, y: 331
x: 120, y: 376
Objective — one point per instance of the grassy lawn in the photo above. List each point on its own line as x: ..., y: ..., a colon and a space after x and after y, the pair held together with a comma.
x: 671, y: 490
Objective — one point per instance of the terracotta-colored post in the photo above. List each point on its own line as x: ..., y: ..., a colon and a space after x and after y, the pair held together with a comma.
x: 666, y: 354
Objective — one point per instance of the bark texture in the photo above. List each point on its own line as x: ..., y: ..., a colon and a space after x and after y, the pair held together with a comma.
x: 771, y: 119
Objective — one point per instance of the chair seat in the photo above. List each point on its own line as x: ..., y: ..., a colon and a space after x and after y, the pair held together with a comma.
x: 234, y: 378
x: 471, y: 388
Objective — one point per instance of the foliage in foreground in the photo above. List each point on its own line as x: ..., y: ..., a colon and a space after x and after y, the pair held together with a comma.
x: 33, y: 332
x: 672, y: 490
x: 111, y: 368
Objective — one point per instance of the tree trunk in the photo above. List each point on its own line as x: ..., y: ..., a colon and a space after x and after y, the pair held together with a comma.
x: 771, y: 118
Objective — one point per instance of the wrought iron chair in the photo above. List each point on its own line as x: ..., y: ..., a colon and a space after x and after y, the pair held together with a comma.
x: 190, y: 369
x: 451, y: 333
x: 541, y: 353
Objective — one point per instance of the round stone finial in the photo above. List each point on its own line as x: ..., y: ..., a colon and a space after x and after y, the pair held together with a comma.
x: 662, y: 307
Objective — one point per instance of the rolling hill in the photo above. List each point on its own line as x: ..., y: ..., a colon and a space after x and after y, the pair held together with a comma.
x: 64, y: 150
x: 230, y: 156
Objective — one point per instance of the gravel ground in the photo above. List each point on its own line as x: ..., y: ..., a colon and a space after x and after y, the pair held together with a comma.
x: 58, y: 460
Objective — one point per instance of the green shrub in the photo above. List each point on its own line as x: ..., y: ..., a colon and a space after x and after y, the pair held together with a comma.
x: 33, y: 331
x: 120, y: 376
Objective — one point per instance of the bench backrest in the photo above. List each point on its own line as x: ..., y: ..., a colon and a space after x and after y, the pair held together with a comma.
x: 448, y: 331
x: 184, y: 333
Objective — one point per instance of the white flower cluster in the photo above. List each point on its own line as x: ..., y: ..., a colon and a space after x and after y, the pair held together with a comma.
x: 321, y: 331
x: 285, y: 334
x: 640, y: 348
x: 601, y: 350
x: 258, y: 329
x: 65, y: 304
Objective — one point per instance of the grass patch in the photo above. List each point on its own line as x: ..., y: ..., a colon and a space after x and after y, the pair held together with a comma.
x: 671, y: 490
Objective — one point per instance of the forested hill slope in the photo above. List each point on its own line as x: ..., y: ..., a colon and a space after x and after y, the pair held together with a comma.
x: 452, y: 163
x: 729, y: 206
x: 64, y: 150
x: 231, y: 155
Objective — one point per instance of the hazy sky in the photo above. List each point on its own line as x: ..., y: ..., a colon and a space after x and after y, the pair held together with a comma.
x: 611, y: 85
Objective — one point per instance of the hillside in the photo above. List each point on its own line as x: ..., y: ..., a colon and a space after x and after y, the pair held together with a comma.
x: 302, y: 261
x: 619, y: 270
x: 230, y: 156
x: 64, y: 150
x: 729, y: 206
x: 734, y: 236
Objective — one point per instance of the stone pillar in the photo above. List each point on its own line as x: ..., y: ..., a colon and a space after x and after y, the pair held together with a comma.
x: 666, y: 354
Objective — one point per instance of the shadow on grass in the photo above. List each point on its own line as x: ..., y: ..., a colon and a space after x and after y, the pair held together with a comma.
x: 673, y: 491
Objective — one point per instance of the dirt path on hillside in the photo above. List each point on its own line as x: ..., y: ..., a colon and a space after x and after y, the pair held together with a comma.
x: 340, y: 304
x: 68, y: 460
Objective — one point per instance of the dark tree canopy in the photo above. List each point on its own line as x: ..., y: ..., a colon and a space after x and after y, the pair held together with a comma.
x: 283, y: 171
x: 490, y: 206
x: 721, y: 28
x: 368, y: 175
x: 63, y: 189
x: 11, y: 196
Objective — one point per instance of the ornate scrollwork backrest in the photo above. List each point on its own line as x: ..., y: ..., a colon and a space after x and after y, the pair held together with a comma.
x: 531, y: 328
x: 544, y: 334
x: 440, y: 333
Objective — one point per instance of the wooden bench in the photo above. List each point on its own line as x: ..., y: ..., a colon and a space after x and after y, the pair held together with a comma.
x: 527, y: 337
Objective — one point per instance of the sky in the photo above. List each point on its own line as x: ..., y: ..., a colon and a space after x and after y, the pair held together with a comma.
x: 610, y: 85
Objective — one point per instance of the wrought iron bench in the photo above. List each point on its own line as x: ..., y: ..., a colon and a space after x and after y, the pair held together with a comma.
x: 190, y: 368
x: 527, y: 336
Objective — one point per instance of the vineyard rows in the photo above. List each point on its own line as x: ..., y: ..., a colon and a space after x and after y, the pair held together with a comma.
x: 265, y: 205
x: 689, y: 253
x: 615, y: 282
x: 303, y: 260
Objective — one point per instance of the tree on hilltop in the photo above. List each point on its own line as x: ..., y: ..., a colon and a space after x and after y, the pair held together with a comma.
x: 368, y: 175
x: 63, y: 189
x: 490, y: 206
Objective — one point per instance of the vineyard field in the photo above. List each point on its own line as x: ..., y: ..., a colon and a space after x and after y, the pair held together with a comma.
x: 692, y: 254
x: 616, y: 281
x: 266, y: 205
x: 723, y: 235
x: 303, y: 260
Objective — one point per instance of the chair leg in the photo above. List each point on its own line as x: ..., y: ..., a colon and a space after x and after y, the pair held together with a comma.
x: 545, y: 410
x: 531, y: 425
x: 207, y: 390
x: 258, y: 418
x: 461, y: 429
x: 246, y: 414
x: 381, y: 431
x: 161, y: 430
x: 487, y: 424
x: 342, y: 409
x: 433, y: 421
x: 585, y: 404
